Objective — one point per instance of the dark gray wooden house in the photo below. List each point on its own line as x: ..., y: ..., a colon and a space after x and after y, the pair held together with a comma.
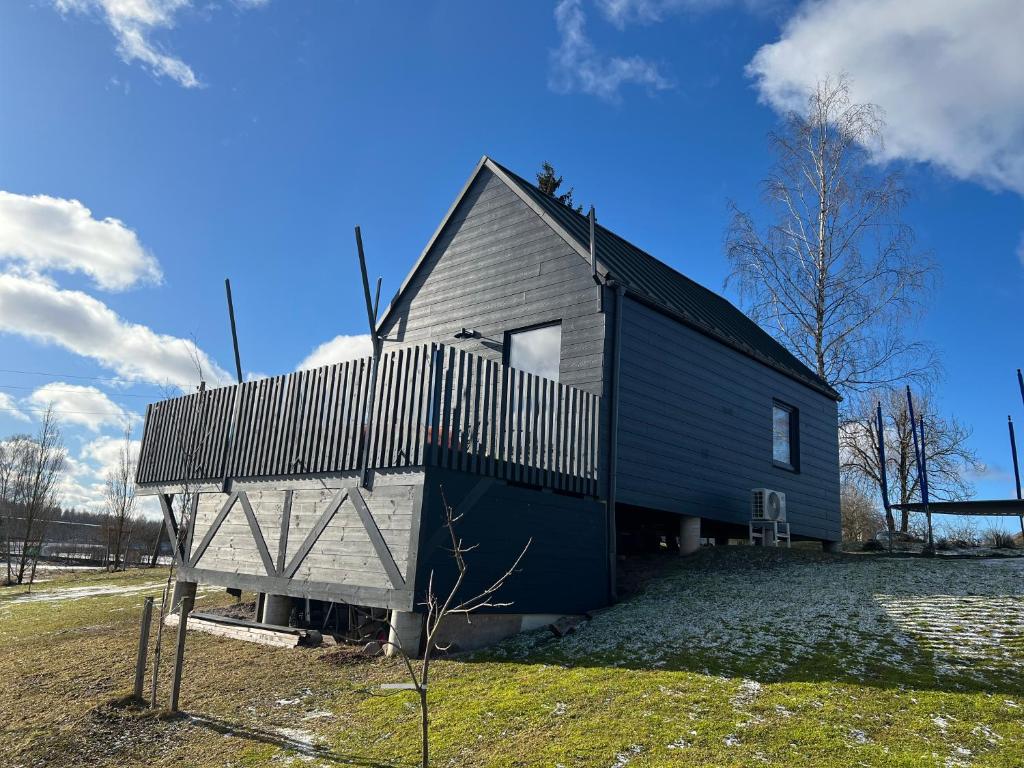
x: 552, y: 384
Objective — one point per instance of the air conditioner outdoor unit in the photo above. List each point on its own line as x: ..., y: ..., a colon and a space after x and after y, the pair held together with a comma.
x: 766, y: 504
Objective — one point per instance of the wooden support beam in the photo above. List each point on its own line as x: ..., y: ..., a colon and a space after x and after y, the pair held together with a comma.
x: 166, y: 500
x: 313, y: 535
x: 282, y: 539
x: 257, y: 535
x: 214, y: 527
x: 379, y: 545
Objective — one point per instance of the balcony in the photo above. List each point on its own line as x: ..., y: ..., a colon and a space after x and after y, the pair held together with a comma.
x: 429, y: 405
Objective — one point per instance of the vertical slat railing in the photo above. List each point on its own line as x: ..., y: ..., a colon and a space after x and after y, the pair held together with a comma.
x: 432, y: 404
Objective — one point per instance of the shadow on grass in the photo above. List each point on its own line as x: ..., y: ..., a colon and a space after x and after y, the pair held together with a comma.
x: 798, y: 616
x: 283, y: 741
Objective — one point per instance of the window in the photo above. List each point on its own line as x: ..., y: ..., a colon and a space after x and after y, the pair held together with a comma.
x: 535, y: 350
x: 785, y: 436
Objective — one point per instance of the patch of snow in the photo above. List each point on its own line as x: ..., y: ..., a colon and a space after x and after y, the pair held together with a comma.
x: 859, y: 737
x: 866, y: 614
x: 749, y: 690
x: 623, y: 758
x: 78, y: 593
x: 299, y: 740
x: 318, y: 714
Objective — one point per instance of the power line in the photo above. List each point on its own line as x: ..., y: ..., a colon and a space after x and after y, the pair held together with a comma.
x: 72, y: 376
x: 75, y: 391
x: 38, y: 409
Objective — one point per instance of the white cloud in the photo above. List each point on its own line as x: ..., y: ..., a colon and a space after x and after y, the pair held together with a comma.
x: 133, y: 23
x: 76, y: 404
x: 9, y: 407
x: 37, y: 309
x: 84, y: 483
x: 49, y: 233
x: 950, y: 77
x: 624, y: 12
x: 105, y: 452
x: 337, y: 350
x: 577, y: 66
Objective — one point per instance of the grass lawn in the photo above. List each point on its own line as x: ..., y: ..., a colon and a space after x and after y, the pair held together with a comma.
x: 734, y: 657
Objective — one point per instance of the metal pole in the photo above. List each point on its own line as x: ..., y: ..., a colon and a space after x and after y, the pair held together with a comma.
x: 924, y: 486
x: 234, y: 332
x: 1016, y: 467
x: 1013, y: 452
x: 883, y: 480
x: 140, y: 661
x: 919, y: 459
x: 179, y: 658
x: 374, y: 365
x: 1020, y: 383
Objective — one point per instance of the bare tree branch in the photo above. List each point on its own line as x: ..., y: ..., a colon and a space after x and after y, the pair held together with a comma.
x: 835, y: 276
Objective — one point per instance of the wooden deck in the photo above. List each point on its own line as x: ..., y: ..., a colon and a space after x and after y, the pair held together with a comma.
x: 430, y: 405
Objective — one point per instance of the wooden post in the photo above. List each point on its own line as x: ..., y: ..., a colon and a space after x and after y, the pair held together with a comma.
x: 140, y: 661
x: 367, y: 417
x: 234, y: 332
x: 179, y: 657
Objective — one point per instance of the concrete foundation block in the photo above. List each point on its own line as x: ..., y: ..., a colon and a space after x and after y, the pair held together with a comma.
x: 181, y: 590
x: 406, y: 631
x: 689, y: 534
x: 277, y: 609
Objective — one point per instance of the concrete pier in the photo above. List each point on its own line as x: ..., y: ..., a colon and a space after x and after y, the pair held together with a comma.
x: 407, y: 631
x: 689, y: 534
x: 182, y: 589
x: 277, y: 609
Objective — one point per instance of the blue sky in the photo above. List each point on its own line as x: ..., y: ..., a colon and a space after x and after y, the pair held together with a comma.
x: 245, y: 139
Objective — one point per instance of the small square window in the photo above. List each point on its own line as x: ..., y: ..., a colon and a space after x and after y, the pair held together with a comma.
x: 785, y: 436
x: 535, y: 350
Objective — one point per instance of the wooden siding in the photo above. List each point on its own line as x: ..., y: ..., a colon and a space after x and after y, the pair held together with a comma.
x: 497, y: 266
x: 565, y: 569
x: 431, y: 405
x: 316, y: 546
x: 695, y: 429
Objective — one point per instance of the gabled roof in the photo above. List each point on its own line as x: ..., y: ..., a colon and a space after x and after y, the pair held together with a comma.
x: 647, y: 279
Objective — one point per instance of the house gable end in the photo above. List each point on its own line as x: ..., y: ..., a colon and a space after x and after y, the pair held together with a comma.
x: 496, y: 265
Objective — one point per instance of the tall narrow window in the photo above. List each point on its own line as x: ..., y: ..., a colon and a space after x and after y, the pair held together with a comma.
x: 535, y: 350
x: 785, y: 436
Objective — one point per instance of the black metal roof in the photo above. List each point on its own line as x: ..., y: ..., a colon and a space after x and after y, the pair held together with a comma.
x: 649, y: 279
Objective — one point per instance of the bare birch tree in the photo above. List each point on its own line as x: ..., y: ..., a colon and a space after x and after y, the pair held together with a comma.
x: 861, y: 518
x: 835, y: 275
x: 41, y: 471
x: 13, y: 472
x: 442, y: 608
x: 950, y: 459
x: 119, y: 498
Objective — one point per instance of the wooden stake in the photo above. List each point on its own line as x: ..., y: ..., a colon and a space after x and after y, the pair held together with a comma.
x: 184, y: 609
x: 140, y: 661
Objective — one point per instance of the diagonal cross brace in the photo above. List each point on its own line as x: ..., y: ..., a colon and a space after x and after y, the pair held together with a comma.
x: 379, y: 545
x: 212, y: 531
